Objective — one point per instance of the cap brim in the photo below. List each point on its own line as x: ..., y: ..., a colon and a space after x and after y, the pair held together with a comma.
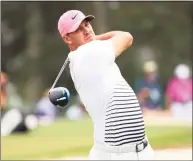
x: 87, y: 18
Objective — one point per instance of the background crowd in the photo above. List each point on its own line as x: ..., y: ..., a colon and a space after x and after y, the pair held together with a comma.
x: 158, y: 66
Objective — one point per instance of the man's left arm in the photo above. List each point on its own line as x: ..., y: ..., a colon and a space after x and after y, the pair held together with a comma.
x: 106, y: 36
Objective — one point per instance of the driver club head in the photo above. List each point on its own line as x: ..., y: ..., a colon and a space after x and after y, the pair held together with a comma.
x: 59, y: 96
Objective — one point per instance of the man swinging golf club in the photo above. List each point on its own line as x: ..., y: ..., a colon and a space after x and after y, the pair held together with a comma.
x: 119, y: 132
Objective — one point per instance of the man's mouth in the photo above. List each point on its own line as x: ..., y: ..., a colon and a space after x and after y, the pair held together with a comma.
x: 88, y: 37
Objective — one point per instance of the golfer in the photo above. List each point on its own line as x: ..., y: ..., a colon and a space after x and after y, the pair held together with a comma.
x: 119, y: 132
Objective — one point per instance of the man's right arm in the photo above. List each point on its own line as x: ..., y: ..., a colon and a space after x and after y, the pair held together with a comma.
x: 121, y: 40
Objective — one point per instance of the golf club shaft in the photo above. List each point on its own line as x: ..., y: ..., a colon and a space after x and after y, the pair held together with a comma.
x: 59, y: 74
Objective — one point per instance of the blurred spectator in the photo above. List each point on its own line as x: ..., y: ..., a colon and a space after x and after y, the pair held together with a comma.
x: 9, y: 97
x: 17, y: 120
x: 13, y: 120
x: 148, y: 89
x: 76, y: 111
x: 179, y: 93
x: 13, y: 99
x: 45, y: 111
x: 3, y: 90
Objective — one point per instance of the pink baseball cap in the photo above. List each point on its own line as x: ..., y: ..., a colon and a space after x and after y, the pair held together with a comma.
x: 71, y: 20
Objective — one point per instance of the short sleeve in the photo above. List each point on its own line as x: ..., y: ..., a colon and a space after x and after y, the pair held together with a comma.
x: 100, y: 52
x: 107, y: 51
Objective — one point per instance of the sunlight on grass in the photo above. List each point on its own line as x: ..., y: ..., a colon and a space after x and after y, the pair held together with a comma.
x: 72, y: 138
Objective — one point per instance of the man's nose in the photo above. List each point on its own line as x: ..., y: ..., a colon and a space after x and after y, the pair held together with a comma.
x: 86, y: 30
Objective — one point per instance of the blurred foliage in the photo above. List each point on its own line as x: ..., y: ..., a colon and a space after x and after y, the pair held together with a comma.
x: 33, y: 51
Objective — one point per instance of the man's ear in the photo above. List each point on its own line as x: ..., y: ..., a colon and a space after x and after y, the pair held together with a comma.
x: 67, y: 39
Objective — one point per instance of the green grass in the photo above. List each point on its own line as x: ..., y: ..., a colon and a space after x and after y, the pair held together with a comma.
x: 72, y: 138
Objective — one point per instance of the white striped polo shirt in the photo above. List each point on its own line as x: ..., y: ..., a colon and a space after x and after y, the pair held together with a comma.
x: 123, y: 119
x: 108, y: 98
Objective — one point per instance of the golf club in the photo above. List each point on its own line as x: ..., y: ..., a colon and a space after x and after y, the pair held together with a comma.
x: 59, y: 74
x: 59, y: 96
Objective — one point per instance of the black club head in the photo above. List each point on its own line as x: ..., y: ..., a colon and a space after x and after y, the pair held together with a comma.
x: 59, y: 96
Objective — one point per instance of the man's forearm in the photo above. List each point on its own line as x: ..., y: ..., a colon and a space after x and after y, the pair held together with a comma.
x: 120, y: 40
x: 107, y: 35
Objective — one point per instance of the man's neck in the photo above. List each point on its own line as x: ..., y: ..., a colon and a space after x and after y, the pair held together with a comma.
x: 72, y: 48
